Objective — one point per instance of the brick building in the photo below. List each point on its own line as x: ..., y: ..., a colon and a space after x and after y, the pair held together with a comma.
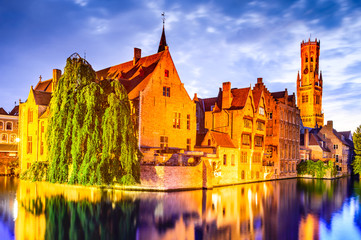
x: 310, y: 85
x: 8, y: 138
x: 163, y: 111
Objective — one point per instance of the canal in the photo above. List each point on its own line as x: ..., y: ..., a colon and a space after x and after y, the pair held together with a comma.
x: 285, y: 209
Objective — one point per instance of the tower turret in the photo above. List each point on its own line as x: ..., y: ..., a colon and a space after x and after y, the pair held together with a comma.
x: 309, y: 86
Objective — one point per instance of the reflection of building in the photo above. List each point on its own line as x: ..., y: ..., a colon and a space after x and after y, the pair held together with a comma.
x: 309, y: 86
x: 8, y: 138
x: 165, y: 113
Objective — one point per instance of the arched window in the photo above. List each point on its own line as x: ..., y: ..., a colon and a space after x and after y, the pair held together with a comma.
x: 4, y: 138
x: 9, y: 126
x: 1, y: 125
x: 12, y: 138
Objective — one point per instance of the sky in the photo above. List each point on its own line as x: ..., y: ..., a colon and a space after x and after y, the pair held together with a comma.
x: 210, y: 42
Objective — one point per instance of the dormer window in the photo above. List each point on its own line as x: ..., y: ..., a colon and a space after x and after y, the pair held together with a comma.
x: 166, y: 73
x: 261, y: 111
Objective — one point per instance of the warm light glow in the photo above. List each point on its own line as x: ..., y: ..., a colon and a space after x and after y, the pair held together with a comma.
x: 17, y: 140
x: 249, y: 195
x: 15, y: 210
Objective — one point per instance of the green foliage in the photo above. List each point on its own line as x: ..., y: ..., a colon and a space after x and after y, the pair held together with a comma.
x: 316, y: 169
x: 91, y: 136
x: 356, y: 163
x: 37, y: 172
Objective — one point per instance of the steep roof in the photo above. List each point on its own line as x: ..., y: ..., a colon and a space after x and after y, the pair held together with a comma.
x: 132, y: 76
x: 256, y: 97
x: 342, y: 138
x: 41, y: 97
x: 44, y: 85
x: 207, y: 103
x: 3, y: 112
x: 162, y: 42
x: 222, y: 139
x: 239, y: 97
x: 15, y: 111
x: 316, y: 140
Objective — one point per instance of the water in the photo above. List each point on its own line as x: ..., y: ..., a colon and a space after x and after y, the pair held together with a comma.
x: 286, y: 209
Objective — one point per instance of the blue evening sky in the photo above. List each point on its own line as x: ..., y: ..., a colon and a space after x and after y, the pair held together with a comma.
x: 210, y: 41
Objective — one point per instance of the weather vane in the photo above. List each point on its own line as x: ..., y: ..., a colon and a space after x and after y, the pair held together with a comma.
x: 163, y: 17
x: 40, y: 77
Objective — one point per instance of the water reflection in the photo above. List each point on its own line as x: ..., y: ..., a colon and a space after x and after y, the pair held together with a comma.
x: 287, y: 209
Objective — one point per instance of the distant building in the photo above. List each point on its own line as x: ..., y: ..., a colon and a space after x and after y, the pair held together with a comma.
x: 8, y: 138
x: 310, y: 85
x: 326, y: 144
x: 163, y: 111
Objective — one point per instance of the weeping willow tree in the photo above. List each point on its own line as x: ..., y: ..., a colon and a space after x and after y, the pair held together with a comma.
x: 91, y: 137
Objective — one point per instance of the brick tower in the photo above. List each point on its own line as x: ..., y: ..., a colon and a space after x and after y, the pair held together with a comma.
x: 309, y: 85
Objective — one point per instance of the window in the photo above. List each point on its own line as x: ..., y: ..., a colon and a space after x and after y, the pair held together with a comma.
x: 224, y: 159
x: 176, y: 120
x: 311, y: 59
x: 232, y: 160
x: 12, y: 138
x: 336, y: 157
x: 257, y: 174
x: 261, y: 111
x: 166, y: 73
x: 166, y: 91
x: 188, y: 121
x: 163, y: 142
x: 260, y: 125
x: 9, y: 126
x: 242, y: 175
x: 30, y: 144
x: 256, y: 158
x: 311, y: 67
x: 247, y: 123
x: 304, y: 98
x: 1, y: 125
x: 246, y: 139
x: 258, y: 141
x: 41, y: 138
x: 188, y: 144
x: 269, y: 152
x: 269, y: 116
x: 4, y: 137
x: 30, y: 115
x: 244, y: 157
x: 209, y: 142
x: 306, y: 59
x: 335, y: 146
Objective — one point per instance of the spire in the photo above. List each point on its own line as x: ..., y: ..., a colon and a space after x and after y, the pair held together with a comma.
x: 163, y: 41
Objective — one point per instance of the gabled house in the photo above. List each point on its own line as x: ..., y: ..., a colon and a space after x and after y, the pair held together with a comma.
x: 162, y: 109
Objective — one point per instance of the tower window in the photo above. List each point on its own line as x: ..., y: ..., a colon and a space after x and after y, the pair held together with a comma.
x: 304, y: 98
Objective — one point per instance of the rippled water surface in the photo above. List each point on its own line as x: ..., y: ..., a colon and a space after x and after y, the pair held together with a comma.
x: 286, y: 209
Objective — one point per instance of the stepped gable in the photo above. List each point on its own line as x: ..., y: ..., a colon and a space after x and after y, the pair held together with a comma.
x: 222, y: 139
x: 42, y: 98
x: 3, y: 112
x: 240, y: 96
x: 15, y: 111
x: 134, y: 77
x: 45, y: 86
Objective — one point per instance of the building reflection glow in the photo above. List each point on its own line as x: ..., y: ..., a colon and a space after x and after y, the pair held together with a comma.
x: 287, y: 209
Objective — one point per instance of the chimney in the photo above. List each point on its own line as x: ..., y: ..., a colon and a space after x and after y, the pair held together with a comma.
x: 137, y: 55
x: 226, y: 95
x: 56, y: 77
x: 306, y: 138
x: 330, y: 125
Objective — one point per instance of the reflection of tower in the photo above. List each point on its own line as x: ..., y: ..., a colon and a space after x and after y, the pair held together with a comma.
x: 309, y: 85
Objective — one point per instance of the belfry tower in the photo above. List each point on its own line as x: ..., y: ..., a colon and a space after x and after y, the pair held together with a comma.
x: 309, y: 85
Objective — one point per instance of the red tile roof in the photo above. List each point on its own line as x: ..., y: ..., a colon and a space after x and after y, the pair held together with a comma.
x: 278, y: 94
x: 44, y: 86
x: 239, y: 97
x: 222, y: 139
x: 3, y: 112
x: 133, y: 77
x: 256, y: 97
x: 15, y: 111
x: 42, y: 98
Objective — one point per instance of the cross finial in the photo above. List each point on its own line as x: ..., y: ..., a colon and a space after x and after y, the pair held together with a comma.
x: 40, y: 77
x: 163, y: 17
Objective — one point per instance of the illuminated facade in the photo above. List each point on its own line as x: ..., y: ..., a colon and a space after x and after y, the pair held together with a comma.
x: 8, y: 138
x: 310, y: 85
x: 163, y: 111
